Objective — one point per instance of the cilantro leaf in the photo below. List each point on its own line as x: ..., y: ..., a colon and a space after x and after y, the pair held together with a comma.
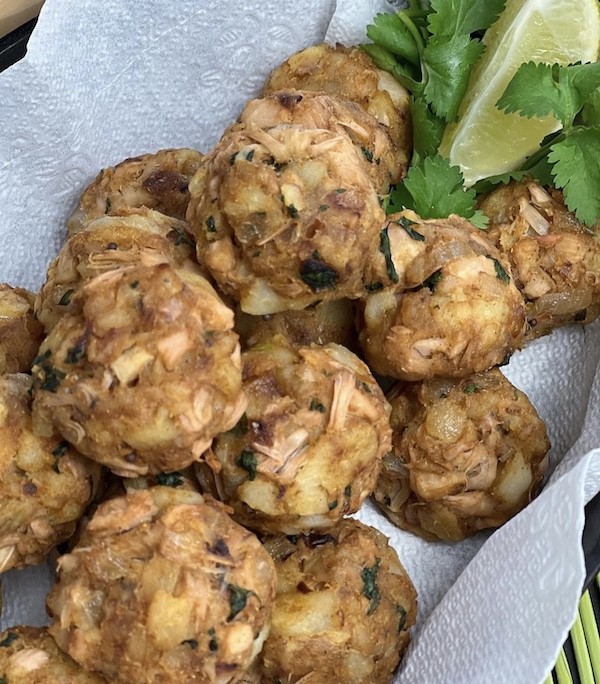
x: 448, y: 64
x: 427, y: 128
x: 434, y: 189
x: 385, y: 60
x: 580, y: 150
x: 590, y: 114
x: 541, y: 171
x: 538, y: 90
x: 391, y: 33
x: 463, y: 17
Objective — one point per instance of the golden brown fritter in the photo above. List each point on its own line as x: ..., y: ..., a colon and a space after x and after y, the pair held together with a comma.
x: 20, y: 333
x: 343, y: 609
x: 146, y: 375
x: 284, y: 217
x: 45, y: 485
x: 309, y: 448
x: 467, y: 455
x: 351, y: 74
x: 29, y: 655
x: 443, y: 301
x: 555, y: 260
x: 125, y: 238
x: 321, y: 323
x: 374, y: 148
x: 164, y: 587
x: 158, y: 181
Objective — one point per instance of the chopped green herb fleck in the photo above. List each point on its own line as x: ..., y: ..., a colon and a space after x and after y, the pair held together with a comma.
x: 247, y: 461
x: 368, y: 154
x: 213, y: 644
x: 210, y: 225
x: 249, y: 155
x: 40, y: 358
x: 401, y: 617
x: 174, y: 479
x: 348, y: 491
x: 332, y: 505
x: 370, y: 590
x: 317, y: 274
x: 324, y: 207
x: 241, y: 427
x: 61, y: 449
x: 50, y: 377
x: 374, y: 287
x: 238, y: 598
x: 76, y: 353
x: 433, y: 280
x: 192, y: 643
x: 178, y: 236
x: 292, y: 211
x: 407, y: 225
x: 385, y: 249
x: 472, y: 388
x: 501, y: 273
x: 65, y: 300
x: 8, y: 639
x: 339, y: 191
x: 316, y: 405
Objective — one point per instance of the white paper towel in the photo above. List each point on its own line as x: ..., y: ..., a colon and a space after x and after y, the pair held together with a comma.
x: 103, y: 81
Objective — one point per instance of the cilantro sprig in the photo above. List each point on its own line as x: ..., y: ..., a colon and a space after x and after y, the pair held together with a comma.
x: 431, y: 48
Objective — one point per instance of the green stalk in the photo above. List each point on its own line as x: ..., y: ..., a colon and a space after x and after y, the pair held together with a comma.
x: 582, y: 656
x: 549, y: 679
x: 563, y: 674
x: 414, y: 31
x: 590, y: 629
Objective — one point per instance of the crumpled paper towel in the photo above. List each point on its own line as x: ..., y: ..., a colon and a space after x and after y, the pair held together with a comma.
x: 103, y: 81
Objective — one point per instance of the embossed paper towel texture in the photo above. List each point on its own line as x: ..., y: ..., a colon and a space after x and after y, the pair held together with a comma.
x: 105, y: 81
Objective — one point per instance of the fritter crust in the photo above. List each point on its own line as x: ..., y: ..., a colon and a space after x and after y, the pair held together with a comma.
x: 343, y: 609
x: 467, y: 455
x: 164, y: 587
x: 146, y: 375
x: 554, y: 258
x: 20, y: 332
x: 351, y: 74
x: 443, y: 301
x: 125, y: 238
x: 309, y: 448
x: 29, y: 655
x: 284, y: 217
x: 157, y: 181
x: 45, y: 485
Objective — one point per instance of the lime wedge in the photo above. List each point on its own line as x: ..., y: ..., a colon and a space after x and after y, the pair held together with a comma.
x: 485, y: 141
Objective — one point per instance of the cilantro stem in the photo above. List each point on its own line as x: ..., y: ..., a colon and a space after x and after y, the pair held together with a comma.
x: 414, y: 31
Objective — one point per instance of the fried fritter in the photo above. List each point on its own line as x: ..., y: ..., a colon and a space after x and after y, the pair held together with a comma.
x: 443, y: 301
x: 20, y: 333
x: 158, y: 181
x: 163, y: 587
x: 321, y: 323
x: 146, y: 375
x: 127, y: 237
x: 309, y: 448
x: 467, y: 455
x: 374, y: 148
x: 29, y: 655
x: 555, y: 260
x: 284, y: 217
x: 350, y: 73
x: 45, y: 485
x: 343, y: 609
